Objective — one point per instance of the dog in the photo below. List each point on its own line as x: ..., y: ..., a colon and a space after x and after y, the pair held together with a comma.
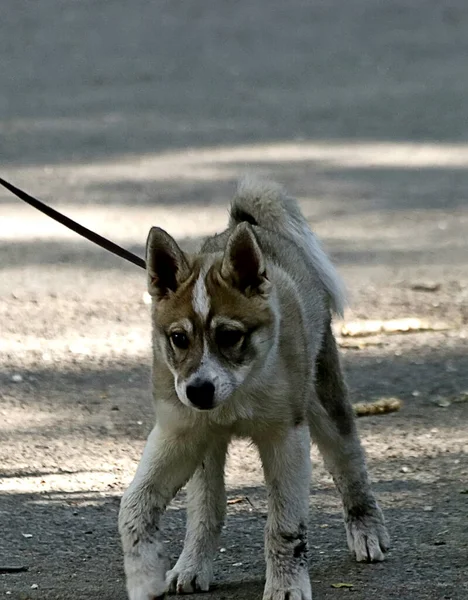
x: 243, y: 346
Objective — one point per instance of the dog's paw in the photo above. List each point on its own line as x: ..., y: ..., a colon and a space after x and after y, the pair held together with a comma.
x: 367, y: 535
x: 297, y: 590
x: 287, y: 594
x: 146, y: 573
x: 146, y: 590
x: 190, y: 574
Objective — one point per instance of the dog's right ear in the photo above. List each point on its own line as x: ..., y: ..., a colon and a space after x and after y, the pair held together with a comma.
x: 243, y: 262
x: 166, y: 264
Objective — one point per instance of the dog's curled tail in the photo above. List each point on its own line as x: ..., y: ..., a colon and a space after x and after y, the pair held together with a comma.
x: 266, y: 204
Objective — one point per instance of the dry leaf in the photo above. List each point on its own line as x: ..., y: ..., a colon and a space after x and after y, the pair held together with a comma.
x: 237, y: 500
x: 378, y: 407
x: 359, y: 345
x: 393, y: 326
x: 426, y: 286
x: 342, y: 585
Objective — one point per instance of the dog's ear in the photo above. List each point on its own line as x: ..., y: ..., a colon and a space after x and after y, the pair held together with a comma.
x: 243, y: 263
x: 166, y: 264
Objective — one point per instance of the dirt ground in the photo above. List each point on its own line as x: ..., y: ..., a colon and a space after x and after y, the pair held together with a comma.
x: 129, y: 114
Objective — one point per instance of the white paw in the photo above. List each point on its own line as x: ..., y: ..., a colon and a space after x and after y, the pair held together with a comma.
x: 297, y: 590
x: 190, y: 574
x: 367, y: 536
x: 150, y: 589
x: 146, y: 573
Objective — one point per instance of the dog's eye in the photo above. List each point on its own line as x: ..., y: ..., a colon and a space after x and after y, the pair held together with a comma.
x: 180, y: 340
x: 228, y: 338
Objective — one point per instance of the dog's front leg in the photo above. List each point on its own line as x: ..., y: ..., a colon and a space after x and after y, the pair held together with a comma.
x: 168, y: 461
x: 286, y: 463
x: 206, y: 507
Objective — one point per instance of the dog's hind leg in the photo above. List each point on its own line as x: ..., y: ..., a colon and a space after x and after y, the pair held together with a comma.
x: 333, y: 428
x: 206, y: 508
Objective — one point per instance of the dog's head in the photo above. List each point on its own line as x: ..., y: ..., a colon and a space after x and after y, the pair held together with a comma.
x: 212, y: 314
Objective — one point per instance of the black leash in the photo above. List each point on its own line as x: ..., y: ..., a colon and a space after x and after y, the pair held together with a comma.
x: 74, y: 226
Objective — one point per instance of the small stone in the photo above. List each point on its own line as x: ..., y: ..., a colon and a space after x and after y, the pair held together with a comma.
x: 462, y: 397
x: 34, y: 586
x: 237, y: 564
x: 405, y: 469
x: 428, y: 509
x: 17, y: 378
x: 222, y: 550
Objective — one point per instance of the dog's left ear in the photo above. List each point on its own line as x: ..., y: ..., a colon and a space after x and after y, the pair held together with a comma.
x: 243, y: 262
x: 166, y: 264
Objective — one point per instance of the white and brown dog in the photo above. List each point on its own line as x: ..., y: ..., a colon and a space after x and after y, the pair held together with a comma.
x: 243, y: 347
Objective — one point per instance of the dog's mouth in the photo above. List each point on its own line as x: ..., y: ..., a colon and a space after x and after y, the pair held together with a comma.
x: 203, y: 408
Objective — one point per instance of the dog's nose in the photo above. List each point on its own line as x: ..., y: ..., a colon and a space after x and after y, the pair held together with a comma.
x: 201, y: 394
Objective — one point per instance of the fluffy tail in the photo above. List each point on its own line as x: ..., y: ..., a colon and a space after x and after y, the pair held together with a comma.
x: 265, y: 204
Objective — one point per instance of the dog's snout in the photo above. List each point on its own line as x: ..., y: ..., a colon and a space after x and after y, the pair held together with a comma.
x: 201, y: 394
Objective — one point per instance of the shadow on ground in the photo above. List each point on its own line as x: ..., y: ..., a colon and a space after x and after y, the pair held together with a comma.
x: 120, y: 389
x: 75, y: 534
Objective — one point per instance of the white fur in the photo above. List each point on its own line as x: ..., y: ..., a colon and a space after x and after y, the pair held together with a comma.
x: 200, y: 298
x: 327, y: 272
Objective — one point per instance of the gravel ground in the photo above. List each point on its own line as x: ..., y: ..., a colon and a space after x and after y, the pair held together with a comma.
x: 128, y: 114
